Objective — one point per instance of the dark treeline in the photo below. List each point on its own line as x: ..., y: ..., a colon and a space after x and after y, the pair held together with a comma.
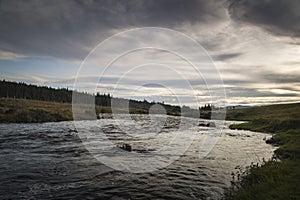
x: 24, y: 91
x: 43, y: 93
x: 209, y: 107
x: 10, y: 89
x: 16, y: 90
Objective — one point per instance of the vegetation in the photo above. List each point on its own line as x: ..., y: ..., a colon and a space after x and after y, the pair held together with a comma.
x: 35, y: 111
x: 13, y: 91
x: 271, y: 180
x: 64, y: 95
x: 25, y: 91
x: 278, y: 178
x: 22, y: 110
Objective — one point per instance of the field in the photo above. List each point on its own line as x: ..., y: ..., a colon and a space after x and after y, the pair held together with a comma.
x: 21, y: 110
x: 34, y: 111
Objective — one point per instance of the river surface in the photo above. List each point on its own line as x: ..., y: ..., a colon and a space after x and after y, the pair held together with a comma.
x: 49, y: 160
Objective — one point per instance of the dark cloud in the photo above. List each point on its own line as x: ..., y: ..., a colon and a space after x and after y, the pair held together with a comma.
x: 297, y: 89
x: 89, y: 79
x: 266, y: 102
x: 153, y: 85
x: 257, y: 74
x: 280, y: 17
x: 258, y: 92
x: 69, y: 29
x: 281, y: 78
x: 224, y: 57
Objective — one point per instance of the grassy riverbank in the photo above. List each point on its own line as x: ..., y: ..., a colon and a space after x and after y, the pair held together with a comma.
x: 35, y: 111
x: 274, y: 179
x: 29, y: 111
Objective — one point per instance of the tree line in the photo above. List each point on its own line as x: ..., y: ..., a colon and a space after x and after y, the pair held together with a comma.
x: 22, y: 90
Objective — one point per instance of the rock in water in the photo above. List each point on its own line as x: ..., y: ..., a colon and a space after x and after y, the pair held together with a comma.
x: 126, y: 147
x: 210, y: 124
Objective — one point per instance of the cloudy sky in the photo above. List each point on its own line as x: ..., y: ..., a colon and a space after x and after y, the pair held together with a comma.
x: 254, y: 46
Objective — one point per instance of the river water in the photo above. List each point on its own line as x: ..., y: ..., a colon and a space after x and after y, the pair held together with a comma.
x: 49, y: 160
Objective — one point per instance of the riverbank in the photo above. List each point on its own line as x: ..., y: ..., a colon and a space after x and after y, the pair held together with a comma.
x: 35, y: 111
x: 278, y: 178
x: 30, y: 111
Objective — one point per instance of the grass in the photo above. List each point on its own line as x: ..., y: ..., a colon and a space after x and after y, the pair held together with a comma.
x: 278, y: 178
x: 22, y: 110
x: 279, y: 111
x: 271, y: 180
x: 34, y: 111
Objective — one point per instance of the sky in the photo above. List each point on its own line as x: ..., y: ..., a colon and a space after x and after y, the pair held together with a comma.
x: 249, y: 48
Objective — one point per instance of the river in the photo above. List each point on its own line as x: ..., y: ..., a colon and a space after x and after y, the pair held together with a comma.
x: 51, y: 161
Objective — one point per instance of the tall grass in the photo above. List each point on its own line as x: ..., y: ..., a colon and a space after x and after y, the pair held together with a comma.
x: 22, y: 110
